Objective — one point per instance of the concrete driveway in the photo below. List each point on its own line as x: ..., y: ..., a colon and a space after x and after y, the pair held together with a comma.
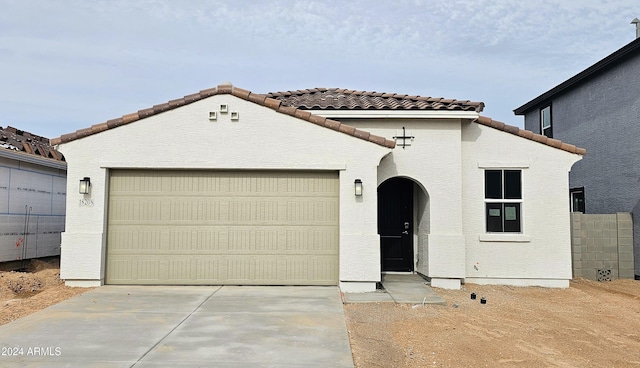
x: 184, y: 326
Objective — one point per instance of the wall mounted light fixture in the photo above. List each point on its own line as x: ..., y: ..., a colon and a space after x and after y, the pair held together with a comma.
x: 85, y: 185
x: 358, y: 187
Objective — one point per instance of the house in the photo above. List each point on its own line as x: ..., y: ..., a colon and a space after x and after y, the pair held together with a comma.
x: 314, y: 187
x: 599, y: 109
x: 32, y: 196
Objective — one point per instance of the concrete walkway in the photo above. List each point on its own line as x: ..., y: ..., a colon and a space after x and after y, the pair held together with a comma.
x: 399, y: 288
x: 184, y: 326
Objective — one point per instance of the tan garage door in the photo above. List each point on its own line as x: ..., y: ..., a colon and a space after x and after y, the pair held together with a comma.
x: 212, y: 227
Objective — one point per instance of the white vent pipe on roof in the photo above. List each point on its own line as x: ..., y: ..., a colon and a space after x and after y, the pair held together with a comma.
x: 636, y: 21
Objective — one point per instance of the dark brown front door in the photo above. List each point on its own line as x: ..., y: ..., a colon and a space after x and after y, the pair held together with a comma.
x: 395, y: 224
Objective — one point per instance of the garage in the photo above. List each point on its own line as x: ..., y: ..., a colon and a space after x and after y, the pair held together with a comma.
x: 204, y: 227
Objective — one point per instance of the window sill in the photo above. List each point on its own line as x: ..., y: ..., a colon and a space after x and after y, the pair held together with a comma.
x: 514, y: 238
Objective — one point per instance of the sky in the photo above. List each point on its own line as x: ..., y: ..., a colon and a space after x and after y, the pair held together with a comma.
x: 69, y: 64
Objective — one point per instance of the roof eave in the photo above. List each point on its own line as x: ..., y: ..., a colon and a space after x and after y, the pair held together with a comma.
x: 396, y: 114
x: 612, y: 59
x: 527, y: 134
x: 33, y: 159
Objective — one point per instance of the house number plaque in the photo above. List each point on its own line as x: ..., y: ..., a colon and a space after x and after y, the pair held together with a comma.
x: 86, y: 203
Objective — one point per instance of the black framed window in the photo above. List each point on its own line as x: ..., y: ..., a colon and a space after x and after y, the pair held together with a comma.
x: 503, y: 201
x: 577, y: 199
x: 546, y: 128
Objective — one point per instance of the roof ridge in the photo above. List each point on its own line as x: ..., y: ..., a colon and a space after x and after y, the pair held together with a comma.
x: 227, y: 88
x: 487, y: 121
x: 315, y: 99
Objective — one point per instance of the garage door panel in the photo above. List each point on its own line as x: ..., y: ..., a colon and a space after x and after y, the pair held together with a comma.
x: 237, y: 239
x: 227, y: 269
x: 209, y: 227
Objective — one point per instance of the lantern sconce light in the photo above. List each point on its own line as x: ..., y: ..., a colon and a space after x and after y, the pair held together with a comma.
x: 358, y: 187
x: 85, y: 185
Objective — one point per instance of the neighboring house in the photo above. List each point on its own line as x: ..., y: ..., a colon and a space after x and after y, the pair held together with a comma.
x: 599, y: 109
x: 315, y: 187
x: 32, y: 196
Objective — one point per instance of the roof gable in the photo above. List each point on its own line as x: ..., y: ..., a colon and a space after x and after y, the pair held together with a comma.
x: 259, y: 99
x: 302, y: 103
x: 629, y: 50
x: 344, y: 99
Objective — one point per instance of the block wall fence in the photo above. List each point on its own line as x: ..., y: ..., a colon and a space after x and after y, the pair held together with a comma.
x: 602, y: 246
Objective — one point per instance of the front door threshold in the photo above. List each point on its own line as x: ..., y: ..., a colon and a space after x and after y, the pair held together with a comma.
x: 398, y: 272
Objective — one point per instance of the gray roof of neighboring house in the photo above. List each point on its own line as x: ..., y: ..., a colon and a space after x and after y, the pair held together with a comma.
x: 629, y: 50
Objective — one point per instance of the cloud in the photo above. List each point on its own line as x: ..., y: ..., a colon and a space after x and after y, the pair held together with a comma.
x: 79, y: 63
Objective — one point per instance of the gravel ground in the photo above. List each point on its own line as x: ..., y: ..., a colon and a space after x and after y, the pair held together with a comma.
x: 590, y: 324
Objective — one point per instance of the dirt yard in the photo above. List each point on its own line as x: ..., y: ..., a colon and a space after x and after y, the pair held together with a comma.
x: 36, y: 287
x: 591, y: 324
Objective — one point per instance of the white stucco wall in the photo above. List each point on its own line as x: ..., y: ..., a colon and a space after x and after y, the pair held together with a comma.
x: 434, y: 162
x: 186, y: 138
x: 541, y: 255
x: 447, y: 159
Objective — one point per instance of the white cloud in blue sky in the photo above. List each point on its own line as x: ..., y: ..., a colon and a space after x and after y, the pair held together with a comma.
x: 66, y: 65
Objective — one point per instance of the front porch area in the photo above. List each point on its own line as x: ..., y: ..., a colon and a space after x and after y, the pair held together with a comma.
x: 398, y: 288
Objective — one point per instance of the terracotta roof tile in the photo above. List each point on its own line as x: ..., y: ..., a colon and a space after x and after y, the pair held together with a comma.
x: 263, y: 100
x: 225, y: 89
x: 18, y: 140
x: 27, y: 148
x: 272, y: 103
x: 192, y: 98
x: 343, y: 99
x: 209, y: 92
x: 145, y: 113
x: 257, y: 98
x: 242, y: 93
x: 161, y: 108
x: 335, y: 125
x: 530, y: 135
x: 316, y: 119
x: 97, y: 128
x: 302, y: 114
x: 126, y: 119
x: 113, y: 123
x: 287, y: 110
x: 347, y: 129
x: 299, y: 103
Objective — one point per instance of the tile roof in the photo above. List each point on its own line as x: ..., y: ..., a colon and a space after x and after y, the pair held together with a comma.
x: 483, y: 120
x: 344, y: 99
x: 17, y: 140
x: 287, y: 103
x: 223, y: 89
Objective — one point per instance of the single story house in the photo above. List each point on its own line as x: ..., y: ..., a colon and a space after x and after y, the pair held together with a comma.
x: 314, y: 187
x: 33, y: 187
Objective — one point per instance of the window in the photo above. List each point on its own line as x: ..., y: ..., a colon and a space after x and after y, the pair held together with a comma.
x: 545, y: 122
x: 577, y: 199
x: 503, y: 200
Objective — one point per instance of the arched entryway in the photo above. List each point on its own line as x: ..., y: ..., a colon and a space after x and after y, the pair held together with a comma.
x: 395, y: 224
